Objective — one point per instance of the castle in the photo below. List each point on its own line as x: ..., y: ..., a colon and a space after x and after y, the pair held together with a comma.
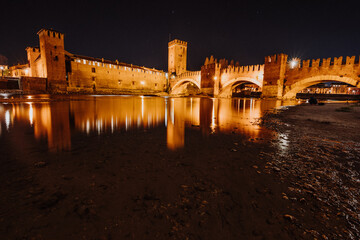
x: 51, y: 68
x: 67, y: 72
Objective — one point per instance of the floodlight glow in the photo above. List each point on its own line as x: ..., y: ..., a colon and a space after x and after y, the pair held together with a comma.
x: 294, y: 62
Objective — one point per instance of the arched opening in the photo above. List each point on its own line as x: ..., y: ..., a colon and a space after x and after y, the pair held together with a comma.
x: 185, y: 87
x: 247, y: 87
x: 325, y: 84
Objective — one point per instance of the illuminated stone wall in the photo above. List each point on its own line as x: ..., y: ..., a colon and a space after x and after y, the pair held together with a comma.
x: 33, y: 84
x: 91, y: 75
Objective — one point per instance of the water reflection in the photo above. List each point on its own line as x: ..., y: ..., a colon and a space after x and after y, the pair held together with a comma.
x: 55, y: 121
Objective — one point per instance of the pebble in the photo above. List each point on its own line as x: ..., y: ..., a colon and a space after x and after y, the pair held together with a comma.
x: 289, y: 217
x: 276, y: 169
x: 40, y: 164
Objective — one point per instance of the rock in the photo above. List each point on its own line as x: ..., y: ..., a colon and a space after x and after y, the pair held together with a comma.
x: 40, y: 164
x: 302, y: 200
x: 256, y: 167
x: 289, y: 217
x: 51, y: 200
x: 276, y: 169
x: 233, y: 150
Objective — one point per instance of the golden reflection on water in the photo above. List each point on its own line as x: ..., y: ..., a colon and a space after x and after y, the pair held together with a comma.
x: 98, y: 115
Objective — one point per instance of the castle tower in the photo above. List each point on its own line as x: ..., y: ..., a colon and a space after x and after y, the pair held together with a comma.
x: 177, y: 57
x: 33, y: 54
x: 53, y: 58
x: 274, y: 75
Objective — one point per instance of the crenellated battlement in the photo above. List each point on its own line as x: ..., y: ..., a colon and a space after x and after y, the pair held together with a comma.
x: 97, y: 62
x: 244, y: 69
x: 178, y: 42
x: 51, y: 33
x: 275, y: 59
x: 32, y: 49
x: 189, y: 74
x: 326, y: 63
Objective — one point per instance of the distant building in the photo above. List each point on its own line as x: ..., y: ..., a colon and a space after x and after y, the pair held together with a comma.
x: 19, y: 70
x: 3, y: 70
x: 332, y: 88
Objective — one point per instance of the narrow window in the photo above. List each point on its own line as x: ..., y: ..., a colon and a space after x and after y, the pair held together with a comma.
x: 94, y: 79
x: 119, y: 82
x: 56, y: 58
x: 133, y: 83
x: 156, y: 84
x: 55, y: 47
x: 93, y: 70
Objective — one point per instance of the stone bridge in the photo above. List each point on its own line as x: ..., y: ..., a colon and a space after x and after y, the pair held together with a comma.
x: 275, y: 78
x: 282, y: 80
x: 218, y: 79
x: 179, y: 83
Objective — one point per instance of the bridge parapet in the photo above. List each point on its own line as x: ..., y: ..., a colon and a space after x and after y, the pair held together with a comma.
x: 327, y: 66
x: 231, y: 74
x: 326, y: 63
x: 189, y: 76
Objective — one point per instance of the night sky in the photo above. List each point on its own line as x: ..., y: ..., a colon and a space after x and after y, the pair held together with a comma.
x: 137, y: 32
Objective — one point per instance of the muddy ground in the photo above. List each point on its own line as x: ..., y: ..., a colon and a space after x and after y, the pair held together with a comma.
x: 300, y: 183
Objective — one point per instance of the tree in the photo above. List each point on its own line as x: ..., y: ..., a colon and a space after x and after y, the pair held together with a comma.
x: 3, y: 60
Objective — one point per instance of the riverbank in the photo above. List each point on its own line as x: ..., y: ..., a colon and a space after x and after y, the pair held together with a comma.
x: 320, y: 163
x: 296, y: 181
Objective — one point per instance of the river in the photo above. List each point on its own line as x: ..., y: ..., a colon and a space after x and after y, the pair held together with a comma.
x: 45, y: 117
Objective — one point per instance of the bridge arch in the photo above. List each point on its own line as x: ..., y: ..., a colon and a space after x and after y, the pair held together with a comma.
x: 179, y: 86
x: 307, y: 82
x: 226, y: 89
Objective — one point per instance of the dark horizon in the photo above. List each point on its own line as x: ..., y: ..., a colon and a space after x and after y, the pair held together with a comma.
x: 138, y: 33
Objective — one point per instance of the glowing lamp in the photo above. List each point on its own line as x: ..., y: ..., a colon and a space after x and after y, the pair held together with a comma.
x: 142, y: 82
x: 294, y: 63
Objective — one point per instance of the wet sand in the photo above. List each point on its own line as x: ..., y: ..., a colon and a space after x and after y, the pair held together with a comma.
x: 300, y: 184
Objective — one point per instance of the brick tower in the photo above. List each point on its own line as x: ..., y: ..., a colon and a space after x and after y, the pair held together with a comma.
x: 177, y: 57
x: 53, y: 58
x: 274, y: 75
